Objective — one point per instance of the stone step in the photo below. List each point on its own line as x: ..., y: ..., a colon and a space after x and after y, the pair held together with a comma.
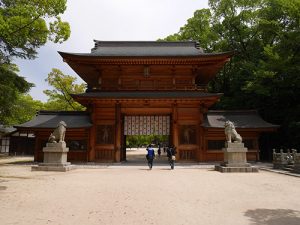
x: 289, y: 166
x: 288, y: 169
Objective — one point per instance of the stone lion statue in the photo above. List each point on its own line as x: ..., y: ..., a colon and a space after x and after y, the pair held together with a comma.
x: 230, y: 133
x: 58, y: 133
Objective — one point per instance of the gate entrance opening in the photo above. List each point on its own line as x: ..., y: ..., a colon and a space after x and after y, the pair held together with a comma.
x: 140, y: 131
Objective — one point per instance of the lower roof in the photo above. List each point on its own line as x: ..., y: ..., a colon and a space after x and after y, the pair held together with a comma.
x: 50, y: 119
x: 213, y: 119
x: 6, y: 130
x: 241, y: 119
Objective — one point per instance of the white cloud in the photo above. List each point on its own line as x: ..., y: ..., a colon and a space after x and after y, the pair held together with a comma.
x: 106, y: 20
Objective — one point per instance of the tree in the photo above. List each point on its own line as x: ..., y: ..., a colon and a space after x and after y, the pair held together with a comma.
x: 264, y: 73
x: 11, y: 87
x: 24, y: 109
x: 197, y: 28
x: 60, y: 97
x: 26, y: 25
x: 145, y: 140
x: 276, y: 81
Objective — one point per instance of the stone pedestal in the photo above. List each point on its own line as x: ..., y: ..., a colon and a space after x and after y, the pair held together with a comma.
x: 235, y: 159
x: 55, y: 158
x: 296, y: 162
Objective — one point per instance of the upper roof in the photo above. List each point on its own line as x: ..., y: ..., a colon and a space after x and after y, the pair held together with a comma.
x: 241, y: 119
x: 146, y: 49
x: 109, y: 57
x: 50, y: 119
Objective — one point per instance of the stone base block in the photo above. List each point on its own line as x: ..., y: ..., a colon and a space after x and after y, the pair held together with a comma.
x: 226, y: 169
x: 53, y: 167
x: 241, y: 164
x: 235, y: 145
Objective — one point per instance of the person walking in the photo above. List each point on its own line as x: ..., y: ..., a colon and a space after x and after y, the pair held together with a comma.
x: 171, y: 152
x: 150, y: 156
x: 159, y: 150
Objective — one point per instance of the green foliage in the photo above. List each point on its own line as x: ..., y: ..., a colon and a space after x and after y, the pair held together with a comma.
x: 60, y: 96
x: 197, y: 28
x: 24, y: 109
x: 145, y: 140
x: 26, y: 25
x: 11, y: 87
x: 264, y: 73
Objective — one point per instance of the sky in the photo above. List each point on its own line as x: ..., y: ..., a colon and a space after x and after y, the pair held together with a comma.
x: 106, y: 20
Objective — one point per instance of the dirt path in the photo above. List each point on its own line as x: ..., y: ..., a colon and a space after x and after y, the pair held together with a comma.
x: 134, y: 195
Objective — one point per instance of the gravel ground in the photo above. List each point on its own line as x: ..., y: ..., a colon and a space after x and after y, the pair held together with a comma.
x: 135, y: 195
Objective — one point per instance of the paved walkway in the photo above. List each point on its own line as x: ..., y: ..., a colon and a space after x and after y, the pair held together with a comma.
x: 129, y: 193
x: 137, y: 159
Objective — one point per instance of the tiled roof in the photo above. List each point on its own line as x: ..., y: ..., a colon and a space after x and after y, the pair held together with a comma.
x: 146, y: 49
x: 213, y: 119
x: 50, y: 119
x: 241, y: 119
x: 6, y: 130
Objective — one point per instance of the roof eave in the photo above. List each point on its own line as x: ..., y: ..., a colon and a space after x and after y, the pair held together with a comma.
x: 68, y: 55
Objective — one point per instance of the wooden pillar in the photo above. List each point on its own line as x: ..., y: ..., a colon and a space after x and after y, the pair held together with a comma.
x: 118, y: 126
x: 88, y: 138
x: 175, y: 127
x: 200, y: 155
x: 173, y: 78
x: 202, y: 147
x: 92, y: 141
x: 119, y: 77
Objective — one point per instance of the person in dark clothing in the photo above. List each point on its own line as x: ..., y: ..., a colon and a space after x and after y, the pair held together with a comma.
x: 150, y: 156
x: 159, y: 150
x: 171, y: 152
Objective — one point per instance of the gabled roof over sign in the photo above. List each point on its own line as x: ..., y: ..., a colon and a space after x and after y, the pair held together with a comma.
x: 241, y: 119
x: 50, y: 119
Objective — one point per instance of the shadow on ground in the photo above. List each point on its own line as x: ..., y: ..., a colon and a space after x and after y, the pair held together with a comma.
x: 2, y: 188
x: 273, y: 216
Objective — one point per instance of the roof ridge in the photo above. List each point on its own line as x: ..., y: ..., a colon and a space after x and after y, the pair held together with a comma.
x: 122, y: 44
